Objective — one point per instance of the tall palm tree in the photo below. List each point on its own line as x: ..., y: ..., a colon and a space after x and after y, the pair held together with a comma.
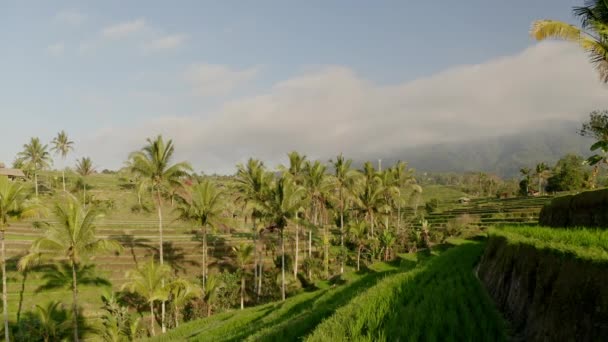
x: 404, y: 177
x: 370, y: 199
x: 13, y: 204
x: 358, y: 235
x: 148, y: 282
x: 71, y: 239
x: 282, y: 205
x: 526, y: 172
x: 153, y: 161
x: 182, y: 291
x: 62, y: 145
x: 203, y: 204
x: 592, y: 36
x: 84, y: 167
x: 35, y: 157
x: 243, y: 255
x: 345, y: 180
x: 542, y: 171
x: 297, y: 165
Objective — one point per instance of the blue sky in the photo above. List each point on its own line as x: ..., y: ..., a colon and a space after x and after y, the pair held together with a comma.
x: 107, y: 71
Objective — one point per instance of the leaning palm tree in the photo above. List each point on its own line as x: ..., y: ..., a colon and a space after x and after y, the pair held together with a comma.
x: 84, y: 167
x: 203, y: 204
x: 148, y: 282
x: 13, y: 204
x: 283, y: 203
x: 153, y: 161
x: 73, y: 240
x: 243, y: 255
x: 34, y: 158
x: 592, y: 36
x: 182, y: 291
x: 62, y: 146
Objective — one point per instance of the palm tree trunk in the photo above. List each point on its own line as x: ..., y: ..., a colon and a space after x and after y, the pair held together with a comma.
x: 161, y: 256
x: 204, y: 257
x: 295, y: 264
x: 36, y: 183
x: 63, y: 178
x: 326, y: 251
x: 84, y: 193
x: 371, y: 219
x: 75, y: 302
x: 342, y: 234
x: 255, y: 258
x: 243, y: 290
x: 4, y: 290
x: 176, y: 316
x: 282, y: 265
x: 260, y: 276
x: 399, y: 217
x: 152, y: 319
x: 358, y: 257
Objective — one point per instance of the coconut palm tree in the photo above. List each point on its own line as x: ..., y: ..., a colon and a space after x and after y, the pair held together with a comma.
x: 52, y: 328
x: 203, y: 204
x: 84, y: 167
x: 526, y: 172
x: 182, y: 291
x: 358, y: 235
x: 73, y: 240
x: 370, y: 199
x: 592, y: 36
x: 210, y: 293
x: 387, y: 241
x: 404, y: 177
x: 35, y: 157
x: 62, y: 146
x: 542, y: 172
x: 153, y: 161
x: 243, y: 255
x: 13, y: 204
x: 148, y: 282
x: 282, y: 205
x: 344, y: 181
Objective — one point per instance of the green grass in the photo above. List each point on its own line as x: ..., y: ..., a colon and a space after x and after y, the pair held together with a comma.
x: 442, y: 193
x: 584, y: 243
x: 442, y: 301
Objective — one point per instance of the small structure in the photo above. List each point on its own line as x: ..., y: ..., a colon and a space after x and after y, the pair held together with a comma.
x: 12, y: 173
x: 464, y: 200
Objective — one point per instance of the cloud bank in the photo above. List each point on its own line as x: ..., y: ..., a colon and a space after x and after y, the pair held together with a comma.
x: 333, y: 109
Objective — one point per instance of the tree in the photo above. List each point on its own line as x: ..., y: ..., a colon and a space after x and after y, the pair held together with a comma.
x: 62, y: 146
x: 526, y: 172
x: 597, y: 128
x: 148, y: 281
x: 403, y: 177
x: 84, y: 167
x: 592, y: 36
x: 243, y: 255
x: 35, y: 157
x: 344, y: 178
x: 153, y: 161
x: 52, y: 328
x: 542, y: 172
x: 204, y: 205
x: 182, y: 291
x: 283, y: 202
x: 13, y: 204
x: 72, y: 239
x: 387, y: 241
x: 296, y: 169
x: 370, y: 199
x: 358, y: 235
x: 568, y: 174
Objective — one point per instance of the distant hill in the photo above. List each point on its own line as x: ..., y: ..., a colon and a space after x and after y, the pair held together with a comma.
x: 503, y: 155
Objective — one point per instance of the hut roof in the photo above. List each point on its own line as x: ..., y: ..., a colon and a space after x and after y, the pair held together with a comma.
x: 11, y: 172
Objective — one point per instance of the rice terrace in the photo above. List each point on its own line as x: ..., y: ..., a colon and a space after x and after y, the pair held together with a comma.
x: 213, y: 195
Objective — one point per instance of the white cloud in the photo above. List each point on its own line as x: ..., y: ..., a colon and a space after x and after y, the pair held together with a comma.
x: 212, y: 79
x: 56, y: 50
x: 167, y: 42
x: 334, y: 110
x: 70, y: 17
x: 123, y: 30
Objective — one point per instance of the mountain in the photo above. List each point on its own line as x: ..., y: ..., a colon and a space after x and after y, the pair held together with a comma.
x: 503, y: 155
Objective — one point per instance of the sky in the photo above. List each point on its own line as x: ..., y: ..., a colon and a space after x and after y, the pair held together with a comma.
x: 229, y: 80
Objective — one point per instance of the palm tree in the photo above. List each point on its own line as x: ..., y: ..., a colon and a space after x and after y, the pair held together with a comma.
x: 35, y: 157
x: 358, y: 235
x: 296, y: 169
x: 210, y: 293
x: 283, y: 203
x: 153, y: 161
x: 592, y: 36
x: 182, y: 291
x: 370, y: 199
x: 62, y: 146
x: 84, y: 167
x: 387, y: 240
x: 51, y: 328
x: 243, y: 255
x: 542, y: 171
x: 203, y: 204
x: 344, y: 179
x: 13, y: 204
x: 526, y: 172
x: 148, y: 282
x: 71, y: 239
x: 252, y: 183
x: 403, y: 177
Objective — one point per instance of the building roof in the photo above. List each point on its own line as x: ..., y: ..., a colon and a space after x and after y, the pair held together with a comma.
x: 11, y: 172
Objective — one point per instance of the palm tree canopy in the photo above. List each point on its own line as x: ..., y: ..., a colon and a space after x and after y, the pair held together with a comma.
x: 592, y: 36
x: 62, y: 144
x: 252, y: 182
x: 297, y: 163
x: 72, y: 237
x: 14, y: 203
x: 284, y: 201
x: 84, y: 166
x: 147, y: 281
x: 153, y: 161
x: 243, y: 254
x: 204, y: 203
x: 182, y: 290
x: 35, y: 156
